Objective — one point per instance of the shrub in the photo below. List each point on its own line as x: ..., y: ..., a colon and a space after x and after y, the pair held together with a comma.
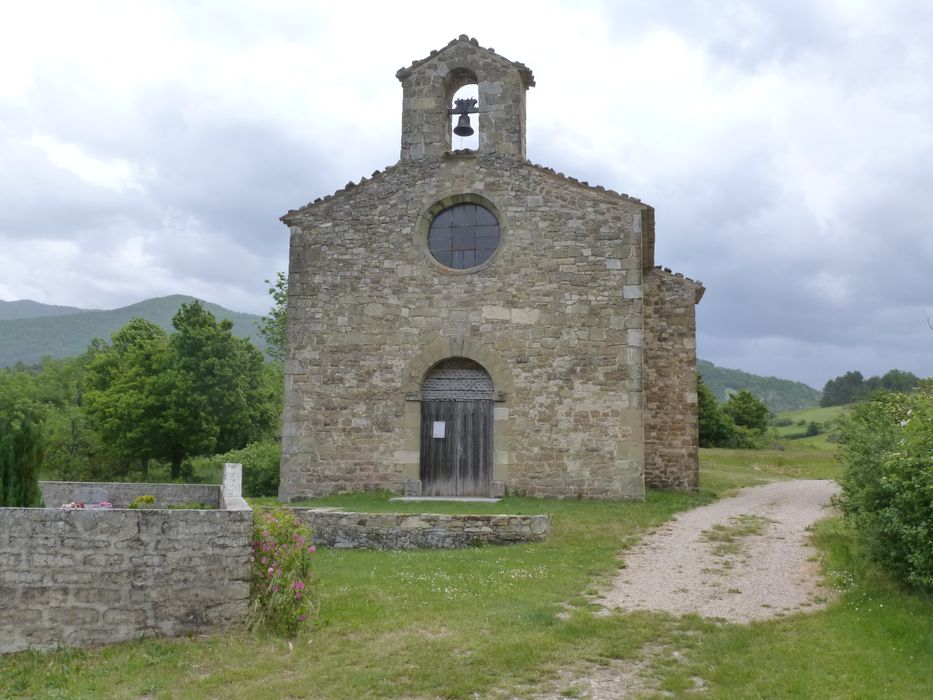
x: 144, y: 501
x: 260, y: 462
x: 745, y: 438
x: 813, y: 428
x: 887, y: 482
x: 282, y: 599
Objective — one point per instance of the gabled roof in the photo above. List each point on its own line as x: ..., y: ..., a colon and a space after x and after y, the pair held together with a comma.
x: 292, y: 214
x: 379, y: 174
x: 528, y: 77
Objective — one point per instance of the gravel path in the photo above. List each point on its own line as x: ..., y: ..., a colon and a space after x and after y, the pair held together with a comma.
x: 739, y: 559
x: 742, y: 558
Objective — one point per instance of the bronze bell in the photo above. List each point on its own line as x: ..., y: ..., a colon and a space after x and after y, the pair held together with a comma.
x: 463, y: 127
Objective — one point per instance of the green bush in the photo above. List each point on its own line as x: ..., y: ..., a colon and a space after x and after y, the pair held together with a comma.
x: 887, y: 483
x: 144, y: 501
x: 260, y: 462
x: 745, y: 438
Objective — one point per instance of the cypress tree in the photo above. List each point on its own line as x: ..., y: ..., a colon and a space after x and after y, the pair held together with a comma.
x: 21, y: 455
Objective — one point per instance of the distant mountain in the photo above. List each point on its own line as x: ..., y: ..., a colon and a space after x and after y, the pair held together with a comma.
x: 67, y: 333
x: 777, y: 394
x: 26, y: 308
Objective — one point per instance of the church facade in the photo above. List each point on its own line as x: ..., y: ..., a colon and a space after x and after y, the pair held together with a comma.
x: 466, y: 322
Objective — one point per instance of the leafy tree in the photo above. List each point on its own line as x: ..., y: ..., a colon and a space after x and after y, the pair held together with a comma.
x: 844, y: 389
x: 747, y: 417
x: 272, y: 325
x: 223, y: 376
x: 747, y: 411
x: 199, y: 391
x: 122, y: 395
x: 897, y: 380
x: 74, y: 449
x: 715, y: 427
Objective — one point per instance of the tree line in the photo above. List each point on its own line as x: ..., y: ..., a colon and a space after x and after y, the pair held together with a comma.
x: 146, y: 399
x: 852, y: 387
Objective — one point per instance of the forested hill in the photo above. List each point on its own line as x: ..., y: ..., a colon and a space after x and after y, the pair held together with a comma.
x: 26, y: 308
x: 69, y: 331
x: 777, y: 394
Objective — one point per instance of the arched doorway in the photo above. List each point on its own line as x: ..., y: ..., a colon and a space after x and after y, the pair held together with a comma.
x: 456, y: 429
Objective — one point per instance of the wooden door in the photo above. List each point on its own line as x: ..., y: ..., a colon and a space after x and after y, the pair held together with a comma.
x: 456, y: 429
x: 456, y: 447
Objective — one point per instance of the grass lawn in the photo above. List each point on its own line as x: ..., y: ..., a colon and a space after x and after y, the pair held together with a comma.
x: 496, y: 621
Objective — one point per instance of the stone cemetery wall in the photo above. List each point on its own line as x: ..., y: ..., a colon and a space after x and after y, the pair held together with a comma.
x: 84, y: 577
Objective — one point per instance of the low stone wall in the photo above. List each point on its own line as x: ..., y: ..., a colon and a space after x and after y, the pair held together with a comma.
x: 343, y: 530
x: 121, y: 494
x: 84, y: 577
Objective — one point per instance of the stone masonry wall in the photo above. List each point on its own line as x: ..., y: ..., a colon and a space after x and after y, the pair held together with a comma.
x: 671, y: 440
x: 343, y: 530
x: 555, y: 317
x: 84, y: 577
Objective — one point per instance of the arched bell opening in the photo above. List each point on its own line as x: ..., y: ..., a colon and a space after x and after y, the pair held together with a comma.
x: 457, y: 445
x: 463, y: 99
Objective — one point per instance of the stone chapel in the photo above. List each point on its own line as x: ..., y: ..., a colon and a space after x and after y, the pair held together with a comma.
x: 466, y: 322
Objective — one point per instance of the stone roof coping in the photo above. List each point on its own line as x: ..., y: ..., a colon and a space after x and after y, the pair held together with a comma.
x: 700, y: 289
x: 584, y: 183
x: 528, y: 77
x: 461, y: 153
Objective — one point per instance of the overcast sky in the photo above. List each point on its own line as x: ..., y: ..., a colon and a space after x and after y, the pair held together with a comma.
x: 148, y: 148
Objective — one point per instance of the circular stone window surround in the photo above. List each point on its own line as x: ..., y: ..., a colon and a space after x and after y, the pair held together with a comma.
x: 427, y: 216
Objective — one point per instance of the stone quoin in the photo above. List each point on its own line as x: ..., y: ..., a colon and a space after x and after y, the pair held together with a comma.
x: 466, y: 322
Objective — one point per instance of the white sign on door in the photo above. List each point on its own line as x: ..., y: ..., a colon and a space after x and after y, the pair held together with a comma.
x: 439, y: 428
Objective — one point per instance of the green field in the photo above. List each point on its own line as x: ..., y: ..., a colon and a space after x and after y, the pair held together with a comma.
x: 807, y: 458
x: 826, y: 418
x: 503, y: 621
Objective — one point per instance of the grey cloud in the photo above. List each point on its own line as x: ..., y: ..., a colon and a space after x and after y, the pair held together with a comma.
x: 214, y: 176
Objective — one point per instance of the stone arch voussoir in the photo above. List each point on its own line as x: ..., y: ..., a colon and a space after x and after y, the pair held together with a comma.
x: 445, y: 348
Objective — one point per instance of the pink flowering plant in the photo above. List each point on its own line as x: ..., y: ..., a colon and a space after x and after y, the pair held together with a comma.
x: 282, y: 599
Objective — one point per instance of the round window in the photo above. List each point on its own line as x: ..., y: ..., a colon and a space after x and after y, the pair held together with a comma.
x: 463, y: 236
